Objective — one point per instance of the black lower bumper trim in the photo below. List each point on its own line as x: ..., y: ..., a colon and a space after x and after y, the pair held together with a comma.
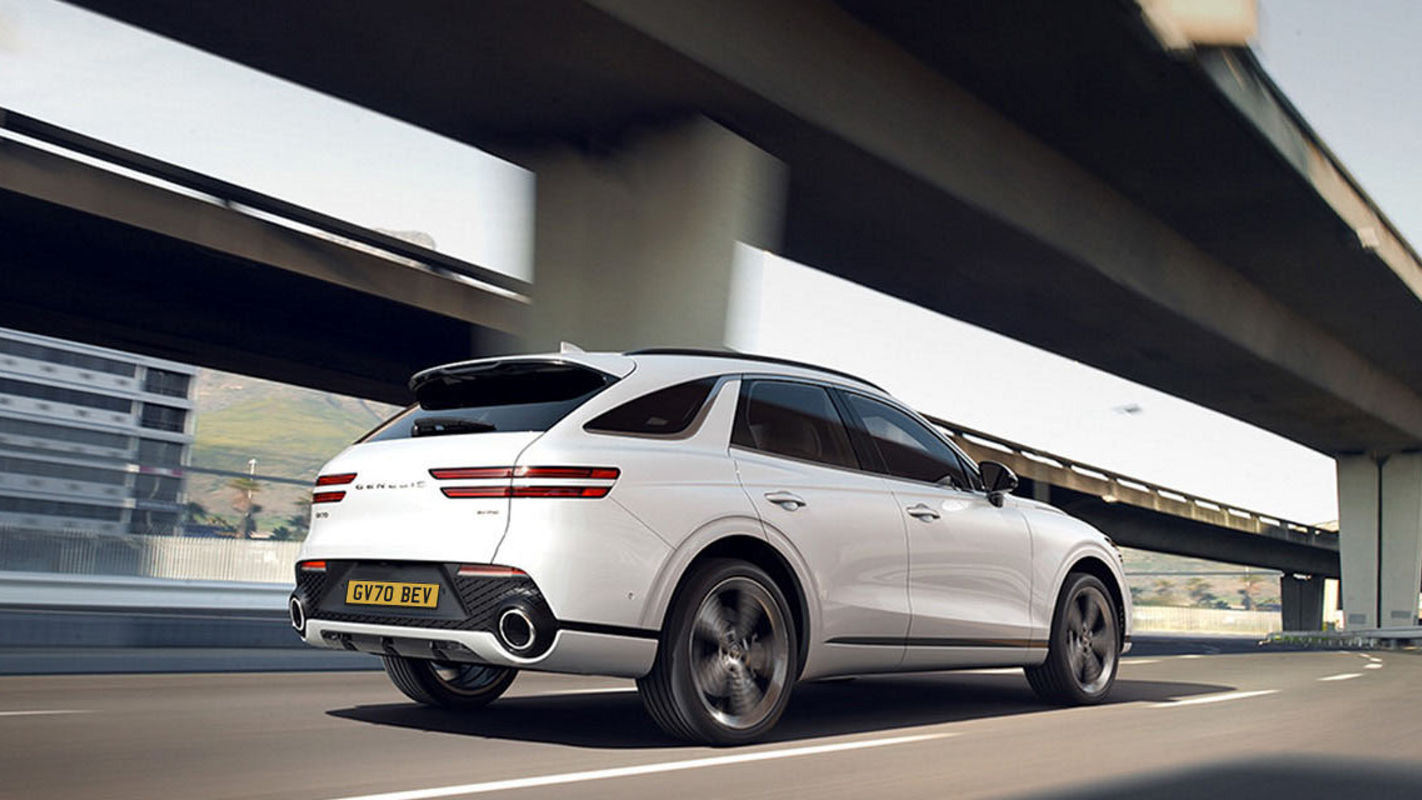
x: 609, y: 630
x: 409, y: 647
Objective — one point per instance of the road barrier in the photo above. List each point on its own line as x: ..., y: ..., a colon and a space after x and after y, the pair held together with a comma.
x: 1173, y: 619
x: 89, y: 553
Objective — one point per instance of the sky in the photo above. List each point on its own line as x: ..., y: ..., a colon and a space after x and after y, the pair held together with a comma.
x: 1340, y: 63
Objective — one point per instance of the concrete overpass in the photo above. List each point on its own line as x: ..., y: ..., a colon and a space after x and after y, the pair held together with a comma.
x: 1105, y: 183
x: 119, y: 249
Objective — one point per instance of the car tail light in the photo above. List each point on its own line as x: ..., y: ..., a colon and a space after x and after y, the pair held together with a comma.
x: 336, y: 480
x: 490, y: 571
x: 472, y: 473
x: 528, y: 481
x: 593, y: 473
x: 561, y: 491
x: 312, y: 566
x: 327, y: 497
x: 477, y: 491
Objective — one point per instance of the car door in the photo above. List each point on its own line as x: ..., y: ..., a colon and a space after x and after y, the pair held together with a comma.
x: 796, y: 462
x: 970, y: 576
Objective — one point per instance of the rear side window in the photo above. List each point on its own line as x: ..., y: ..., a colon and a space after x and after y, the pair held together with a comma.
x: 909, y: 450
x: 792, y: 419
x: 663, y: 412
x: 504, y: 396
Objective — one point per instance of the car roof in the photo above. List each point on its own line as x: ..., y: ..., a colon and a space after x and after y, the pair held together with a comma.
x: 621, y: 364
x: 749, y: 357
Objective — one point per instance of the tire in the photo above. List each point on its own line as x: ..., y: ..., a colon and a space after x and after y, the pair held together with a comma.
x: 726, y: 660
x: 448, y: 685
x: 1084, y: 651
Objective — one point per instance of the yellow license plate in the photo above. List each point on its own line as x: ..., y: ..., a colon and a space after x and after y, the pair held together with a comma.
x: 386, y: 593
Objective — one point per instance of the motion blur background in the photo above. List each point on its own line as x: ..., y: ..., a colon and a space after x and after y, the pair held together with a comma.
x: 119, y: 464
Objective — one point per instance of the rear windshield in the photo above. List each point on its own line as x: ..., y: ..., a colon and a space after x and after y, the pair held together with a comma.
x: 505, y: 396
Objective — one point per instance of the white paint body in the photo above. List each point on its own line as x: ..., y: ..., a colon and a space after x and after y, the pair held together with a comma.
x: 975, y: 587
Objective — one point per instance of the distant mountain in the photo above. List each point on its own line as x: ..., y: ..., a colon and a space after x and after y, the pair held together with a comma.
x: 291, y: 432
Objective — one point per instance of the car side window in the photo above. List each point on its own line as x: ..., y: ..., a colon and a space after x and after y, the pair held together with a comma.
x: 907, y: 449
x: 664, y: 412
x: 796, y: 420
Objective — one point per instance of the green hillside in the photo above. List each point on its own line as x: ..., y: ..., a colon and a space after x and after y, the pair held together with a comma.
x: 291, y: 432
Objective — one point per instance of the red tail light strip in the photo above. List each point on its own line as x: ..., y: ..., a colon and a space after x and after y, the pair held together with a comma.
x: 526, y: 473
x: 477, y: 473
x: 593, y: 473
x: 476, y: 491
x: 459, y: 492
x: 561, y: 491
x: 336, y: 480
x: 327, y: 497
x: 313, y: 566
x: 472, y: 473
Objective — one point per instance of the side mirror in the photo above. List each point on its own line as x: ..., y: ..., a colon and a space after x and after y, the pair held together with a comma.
x: 998, y: 479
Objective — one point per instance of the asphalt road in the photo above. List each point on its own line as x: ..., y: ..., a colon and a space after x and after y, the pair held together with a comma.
x: 1265, y: 724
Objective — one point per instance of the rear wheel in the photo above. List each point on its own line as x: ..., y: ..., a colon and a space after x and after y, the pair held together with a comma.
x: 725, y: 663
x: 446, y: 684
x: 1085, y: 646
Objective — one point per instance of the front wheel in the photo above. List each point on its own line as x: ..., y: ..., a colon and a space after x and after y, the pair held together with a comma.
x: 725, y: 663
x: 448, y: 685
x: 1085, y: 646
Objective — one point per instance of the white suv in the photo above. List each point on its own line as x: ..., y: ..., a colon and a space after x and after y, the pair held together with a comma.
x: 717, y: 526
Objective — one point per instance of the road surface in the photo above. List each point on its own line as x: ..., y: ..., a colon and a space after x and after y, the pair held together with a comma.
x: 1295, y: 725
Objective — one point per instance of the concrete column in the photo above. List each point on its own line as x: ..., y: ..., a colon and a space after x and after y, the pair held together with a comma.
x: 1302, y: 599
x: 1380, y: 522
x: 636, y: 248
x: 1400, y: 567
x: 1358, y: 481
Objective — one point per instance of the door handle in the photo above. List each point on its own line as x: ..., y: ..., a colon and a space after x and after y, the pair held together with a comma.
x: 923, y: 512
x: 786, y: 500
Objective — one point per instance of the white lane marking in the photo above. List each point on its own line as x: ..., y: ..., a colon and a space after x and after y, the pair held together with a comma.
x: 641, y: 769
x: 43, y: 712
x: 1343, y: 677
x: 1373, y: 665
x: 1192, y: 655
x: 1214, y: 698
x: 1126, y: 661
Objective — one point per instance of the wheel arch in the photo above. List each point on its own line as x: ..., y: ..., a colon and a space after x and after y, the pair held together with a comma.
x: 1091, y: 564
x: 761, y: 553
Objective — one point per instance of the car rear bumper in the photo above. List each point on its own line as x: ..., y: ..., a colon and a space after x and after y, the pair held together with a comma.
x: 491, y: 616
x: 572, y: 651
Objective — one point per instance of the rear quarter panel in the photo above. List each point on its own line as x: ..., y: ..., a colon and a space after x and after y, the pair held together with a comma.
x: 612, y: 561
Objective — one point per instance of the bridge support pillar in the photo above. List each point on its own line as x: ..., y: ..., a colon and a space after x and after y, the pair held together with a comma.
x: 1302, y: 599
x: 638, y: 248
x: 1380, y: 541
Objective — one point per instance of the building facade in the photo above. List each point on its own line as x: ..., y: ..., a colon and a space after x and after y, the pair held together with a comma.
x: 92, y: 439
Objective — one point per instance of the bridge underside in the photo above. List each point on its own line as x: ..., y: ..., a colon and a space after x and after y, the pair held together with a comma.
x: 1045, y: 170
x: 100, y: 258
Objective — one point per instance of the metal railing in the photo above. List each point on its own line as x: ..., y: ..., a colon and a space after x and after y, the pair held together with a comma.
x: 231, y: 195
x: 64, y: 552
x: 1112, y: 487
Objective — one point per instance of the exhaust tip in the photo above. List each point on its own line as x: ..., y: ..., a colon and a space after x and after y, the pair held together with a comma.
x: 516, y: 630
x: 298, y: 615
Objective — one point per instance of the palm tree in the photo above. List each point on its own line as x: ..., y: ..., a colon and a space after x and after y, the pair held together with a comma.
x: 1198, y: 589
x: 1250, y: 582
x: 245, y: 487
x: 1164, y: 591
